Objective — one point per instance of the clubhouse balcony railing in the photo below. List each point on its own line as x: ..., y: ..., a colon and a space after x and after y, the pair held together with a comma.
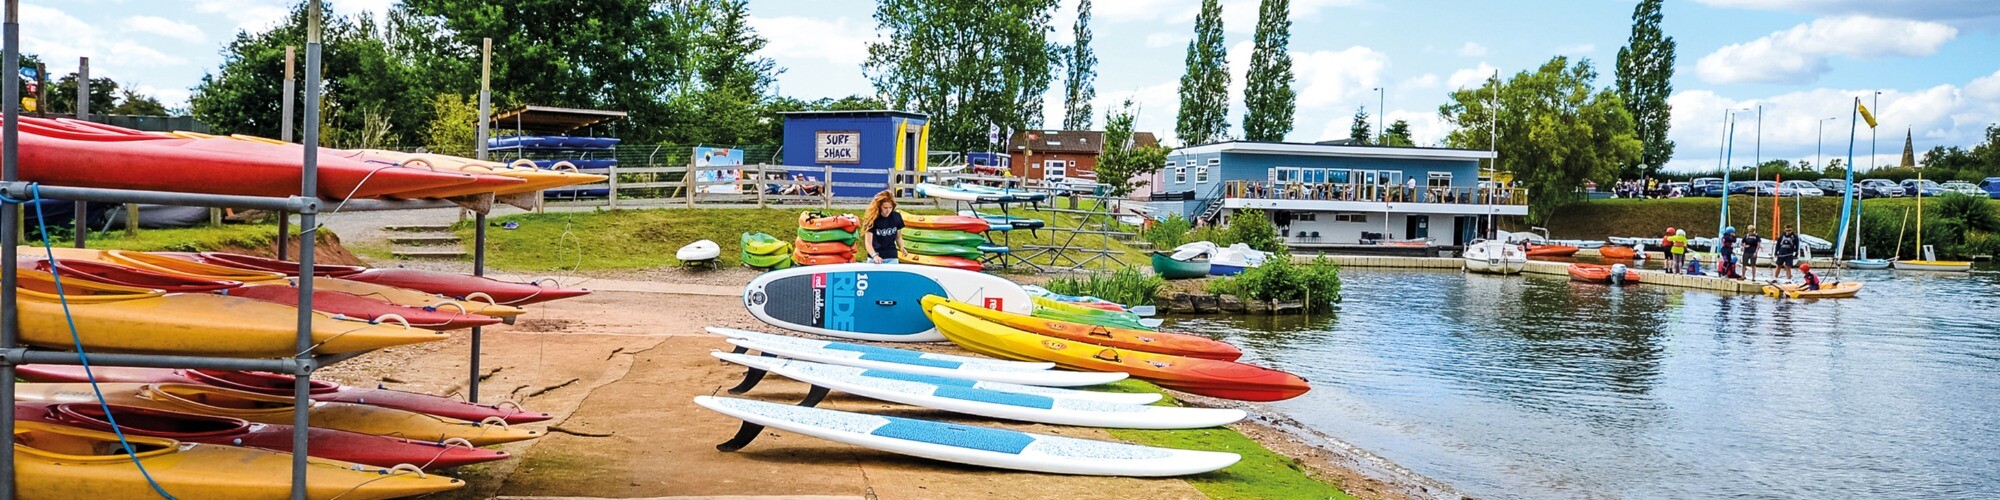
x: 1376, y: 193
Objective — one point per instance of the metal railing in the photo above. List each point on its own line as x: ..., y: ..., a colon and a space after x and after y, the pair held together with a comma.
x: 1377, y: 193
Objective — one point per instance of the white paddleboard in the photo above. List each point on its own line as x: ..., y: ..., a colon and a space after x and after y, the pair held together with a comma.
x: 799, y: 343
x: 865, y: 301
x: 920, y: 366
x: 698, y: 251
x: 965, y: 444
x: 1053, y: 407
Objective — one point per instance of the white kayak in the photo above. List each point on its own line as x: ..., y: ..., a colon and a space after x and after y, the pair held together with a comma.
x: 972, y: 445
x: 698, y: 251
x: 1048, y: 406
x: 945, y: 193
x: 923, y: 366
x: 810, y: 344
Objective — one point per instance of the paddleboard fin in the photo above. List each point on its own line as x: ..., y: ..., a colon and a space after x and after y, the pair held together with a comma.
x: 750, y: 431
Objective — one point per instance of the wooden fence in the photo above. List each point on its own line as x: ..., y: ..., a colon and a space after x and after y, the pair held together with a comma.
x: 760, y: 185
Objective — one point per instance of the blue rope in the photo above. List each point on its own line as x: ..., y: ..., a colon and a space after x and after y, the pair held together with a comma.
x: 35, y: 195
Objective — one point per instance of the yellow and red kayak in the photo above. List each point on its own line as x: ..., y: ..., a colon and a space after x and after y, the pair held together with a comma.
x: 56, y: 461
x: 1178, y: 344
x: 254, y: 407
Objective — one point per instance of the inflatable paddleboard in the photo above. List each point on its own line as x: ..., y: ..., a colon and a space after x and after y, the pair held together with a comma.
x: 810, y: 344
x: 921, y: 366
x: 1052, y: 407
x: 965, y: 444
x: 865, y: 301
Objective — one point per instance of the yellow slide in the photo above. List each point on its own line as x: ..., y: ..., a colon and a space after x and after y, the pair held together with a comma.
x: 221, y: 402
x: 114, y: 318
x: 181, y: 267
x: 66, y: 462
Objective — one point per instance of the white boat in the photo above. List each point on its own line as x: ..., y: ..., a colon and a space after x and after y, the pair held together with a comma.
x: 1930, y: 263
x: 1495, y: 257
x: 945, y: 193
x: 1633, y: 241
x: 1583, y: 244
x: 1815, y: 242
x: 1233, y: 260
x: 1194, y: 250
x: 1514, y: 237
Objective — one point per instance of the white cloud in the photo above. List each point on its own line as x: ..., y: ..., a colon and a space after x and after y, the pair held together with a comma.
x: 1157, y: 106
x: 839, y: 41
x: 60, y: 39
x: 1951, y: 11
x: 1942, y: 115
x: 1327, y: 78
x: 1985, y: 88
x: 1469, y: 77
x: 254, y: 15
x: 164, y: 27
x: 1472, y: 50
x: 1166, y: 40
x: 1799, y: 55
x: 1428, y: 80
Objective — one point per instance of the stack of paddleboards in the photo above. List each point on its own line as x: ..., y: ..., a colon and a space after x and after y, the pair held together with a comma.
x: 953, y: 241
x: 763, y: 251
x: 825, y: 239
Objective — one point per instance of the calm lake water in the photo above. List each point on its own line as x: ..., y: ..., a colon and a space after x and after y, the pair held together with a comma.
x: 1534, y: 387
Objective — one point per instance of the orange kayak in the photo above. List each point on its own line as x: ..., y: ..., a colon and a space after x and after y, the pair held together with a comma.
x: 946, y: 222
x: 1178, y: 344
x: 942, y: 261
x: 1551, y: 250
x: 1617, y: 252
x: 1591, y: 273
x: 815, y: 221
x: 823, y: 248
x: 805, y: 259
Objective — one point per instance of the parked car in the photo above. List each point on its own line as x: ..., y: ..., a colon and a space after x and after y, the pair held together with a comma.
x: 1831, y: 187
x: 1992, y: 186
x: 1705, y: 186
x: 1802, y: 188
x: 1881, y: 188
x: 1752, y: 188
x: 1962, y: 187
x: 1670, y: 188
x: 1927, y: 186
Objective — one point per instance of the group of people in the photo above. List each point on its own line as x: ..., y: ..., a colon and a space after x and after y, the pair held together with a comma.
x: 1647, y: 188
x: 801, y: 185
x: 1739, y: 265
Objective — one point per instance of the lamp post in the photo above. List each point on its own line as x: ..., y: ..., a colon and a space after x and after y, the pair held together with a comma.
x: 1381, y: 114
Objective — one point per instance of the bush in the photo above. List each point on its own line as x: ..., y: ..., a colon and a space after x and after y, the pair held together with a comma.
x: 1168, y: 233
x: 1973, y: 211
x: 1281, y: 280
x: 1127, y: 285
x: 1251, y: 227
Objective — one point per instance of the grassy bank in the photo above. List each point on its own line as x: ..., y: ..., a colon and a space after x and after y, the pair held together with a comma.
x: 1261, y: 474
x: 193, y: 239
x: 1820, y: 216
x: 639, y: 239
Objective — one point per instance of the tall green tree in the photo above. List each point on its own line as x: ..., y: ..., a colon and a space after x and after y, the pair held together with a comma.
x: 1398, y: 134
x: 1361, y: 132
x: 1122, y: 160
x: 62, y: 95
x: 1204, y: 114
x: 1557, y: 130
x: 1080, y: 87
x: 734, y: 82
x: 131, y: 102
x: 1645, y: 81
x: 365, y: 87
x: 969, y: 64
x: 1268, y: 98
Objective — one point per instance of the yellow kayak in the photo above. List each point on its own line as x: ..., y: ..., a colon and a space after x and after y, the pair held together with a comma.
x: 54, y: 461
x: 1834, y: 291
x: 113, y: 318
x: 189, y: 268
x: 261, y: 408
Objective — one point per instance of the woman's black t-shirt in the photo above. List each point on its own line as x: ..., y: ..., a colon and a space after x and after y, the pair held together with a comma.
x: 887, y: 227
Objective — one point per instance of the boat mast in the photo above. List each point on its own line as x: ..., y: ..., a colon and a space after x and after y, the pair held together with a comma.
x: 1920, y: 216
x: 1728, y: 147
x: 1847, y: 202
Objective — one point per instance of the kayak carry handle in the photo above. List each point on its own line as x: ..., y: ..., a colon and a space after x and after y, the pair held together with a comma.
x: 1099, y: 331
x: 418, y: 162
x: 495, y: 420
x: 440, y: 305
x: 393, y: 317
x: 401, y: 468
x: 523, y: 162
x: 563, y: 165
x: 475, y: 296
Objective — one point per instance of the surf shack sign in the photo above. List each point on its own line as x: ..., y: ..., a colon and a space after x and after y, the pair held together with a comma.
x: 837, y: 146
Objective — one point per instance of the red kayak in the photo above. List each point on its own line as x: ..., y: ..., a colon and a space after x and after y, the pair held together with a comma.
x: 347, y: 304
x: 947, y: 222
x: 457, y: 286
x: 379, y: 451
x: 1551, y: 250
x: 1589, y: 273
x: 959, y: 263
x: 816, y: 221
x: 281, y: 385
x: 241, y: 261
x: 59, y: 155
x: 113, y: 274
x: 806, y: 259
x: 1619, y: 252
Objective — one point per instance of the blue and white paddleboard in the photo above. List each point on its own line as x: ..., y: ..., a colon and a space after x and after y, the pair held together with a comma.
x: 800, y: 343
x: 879, y: 302
x: 965, y: 444
x: 921, y: 366
x: 1040, y: 405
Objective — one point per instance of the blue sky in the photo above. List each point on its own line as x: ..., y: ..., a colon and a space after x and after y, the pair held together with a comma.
x: 1801, y: 59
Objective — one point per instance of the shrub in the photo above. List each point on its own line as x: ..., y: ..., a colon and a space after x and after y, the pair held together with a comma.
x: 1168, y: 233
x: 1127, y: 285
x: 1973, y: 211
x: 1281, y: 280
x: 1251, y: 227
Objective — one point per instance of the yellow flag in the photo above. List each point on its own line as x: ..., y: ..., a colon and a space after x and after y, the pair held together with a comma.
x: 1865, y: 115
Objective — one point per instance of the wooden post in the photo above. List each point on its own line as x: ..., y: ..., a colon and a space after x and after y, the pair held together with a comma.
x: 826, y: 187
x: 759, y: 185
x: 215, y: 217
x: 688, y: 179
x: 131, y: 219
x: 613, y: 191
x: 285, y: 129
x: 41, y: 90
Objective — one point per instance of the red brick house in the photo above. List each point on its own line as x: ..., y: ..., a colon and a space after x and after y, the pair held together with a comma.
x: 1054, y: 155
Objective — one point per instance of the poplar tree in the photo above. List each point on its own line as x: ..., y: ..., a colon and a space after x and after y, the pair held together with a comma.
x: 1398, y: 134
x: 1080, y: 88
x: 1645, y: 81
x: 1268, y: 98
x: 972, y: 65
x: 1360, y: 133
x: 1204, y: 114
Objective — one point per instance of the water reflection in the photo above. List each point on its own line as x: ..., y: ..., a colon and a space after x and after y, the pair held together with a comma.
x: 1533, y: 387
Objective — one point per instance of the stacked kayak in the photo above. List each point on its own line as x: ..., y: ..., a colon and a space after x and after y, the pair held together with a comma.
x: 267, y: 409
x: 59, y: 461
x: 380, y: 451
x: 954, y: 248
x: 763, y: 251
x: 1178, y: 344
x: 955, y: 194
x: 453, y: 285
x: 999, y: 222
x: 1048, y: 308
x: 825, y: 239
x: 1008, y: 194
x: 946, y: 223
x: 282, y: 385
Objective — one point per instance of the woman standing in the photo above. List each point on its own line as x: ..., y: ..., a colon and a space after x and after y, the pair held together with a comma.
x: 881, y: 229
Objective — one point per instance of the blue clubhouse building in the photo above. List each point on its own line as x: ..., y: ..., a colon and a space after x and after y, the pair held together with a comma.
x: 1337, y: 194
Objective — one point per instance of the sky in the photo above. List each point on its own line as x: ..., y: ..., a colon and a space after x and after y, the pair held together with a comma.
x: 1799, y: 60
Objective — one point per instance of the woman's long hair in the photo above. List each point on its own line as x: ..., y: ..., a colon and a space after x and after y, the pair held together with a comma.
x: 875, y: 209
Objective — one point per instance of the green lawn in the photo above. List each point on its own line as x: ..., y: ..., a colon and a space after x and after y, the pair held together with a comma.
x: 1261, y: 474
x: 194, y: 239
x: 1599, y: 219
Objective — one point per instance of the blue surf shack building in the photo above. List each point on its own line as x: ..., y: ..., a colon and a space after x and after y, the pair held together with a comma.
x: 852, y: 141
x: 1337, y: 194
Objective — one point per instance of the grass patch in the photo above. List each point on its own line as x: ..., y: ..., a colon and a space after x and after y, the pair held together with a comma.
x: 1127, y: 285
x: 640, y: 239
x: 193, y: 239
x: 1261, y: 474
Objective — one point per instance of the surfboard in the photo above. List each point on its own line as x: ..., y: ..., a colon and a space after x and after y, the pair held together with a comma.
x: 1048, y: 406
x: 866, y: 301
x: 811, y: 344
x: 972, y: 445
x: 921, y: 366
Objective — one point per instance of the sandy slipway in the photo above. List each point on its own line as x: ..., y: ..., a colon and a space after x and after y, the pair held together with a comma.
x: 620, y: 369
